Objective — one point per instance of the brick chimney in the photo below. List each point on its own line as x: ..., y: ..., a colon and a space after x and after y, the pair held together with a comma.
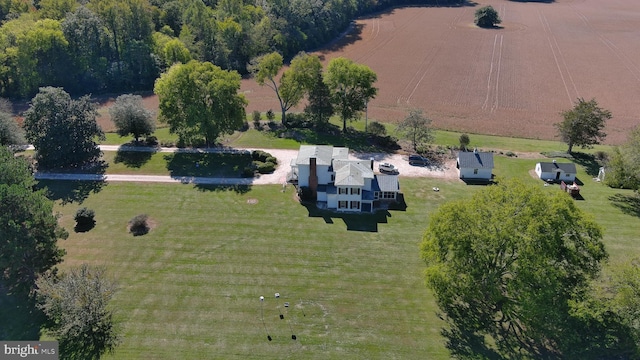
x: 313, y: 177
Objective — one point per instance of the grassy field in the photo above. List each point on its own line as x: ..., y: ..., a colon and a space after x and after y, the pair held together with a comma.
x: 265, y: 139
x: 190, y: 288
x: 177, y: 164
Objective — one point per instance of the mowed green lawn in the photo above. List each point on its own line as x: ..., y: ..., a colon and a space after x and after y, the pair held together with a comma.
x: 190, y: 288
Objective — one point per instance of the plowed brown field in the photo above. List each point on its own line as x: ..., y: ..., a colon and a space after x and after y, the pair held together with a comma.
x: 511, y: 81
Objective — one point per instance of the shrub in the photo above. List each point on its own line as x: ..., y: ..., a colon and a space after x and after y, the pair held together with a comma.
x: 487, y: 17
x: 270, y: 115
x: 259, y: 155
x: 464, y: 141
x: 377, y: 128
x: 256, y: 116
x: 265, y: 167
x: 305, y: 193
x: 424, y: 149
x: 248, y: 171
x: 245, y: 126
x: 151, y: 141
x: 84, y: 217
x: 271, y: 159
x: 256, y: 120
x: 601, y: 156
x: 511, y: 154
x: 139, y: 225
x: 298, y: 120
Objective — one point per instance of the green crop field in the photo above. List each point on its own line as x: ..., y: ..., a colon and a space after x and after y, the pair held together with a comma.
x: 191, y: 287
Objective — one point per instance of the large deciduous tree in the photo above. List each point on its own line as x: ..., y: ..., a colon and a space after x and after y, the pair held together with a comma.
x: 583, y: 125
x: 130, y: 117
x: 90, y: 48
x: 14, y: 170
x: 29, y: 230
x: 77, y: 305
x: 62, y: 130
x: 130, y: 23
x: 417, y: 128
x: 294, y: 83
x: 200, y: 101
x: 505, y: 267
x: 351, y: 87
x: 319, y: 108
x: 42, y: 57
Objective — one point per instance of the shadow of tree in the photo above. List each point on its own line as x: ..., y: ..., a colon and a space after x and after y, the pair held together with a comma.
x: 588, y: 161
x: 133, y: 159
x: 358, y: 141
x: 602, y: 337
x: 629, y: 204
x: 466, y: 344
x: 239, y: 189
x: 70, y: 191
x: 223, y: 165
x: 85, y: 227
x: 21, y: 320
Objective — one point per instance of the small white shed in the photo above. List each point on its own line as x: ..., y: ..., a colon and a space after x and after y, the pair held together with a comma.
x: 555, y: 171
x: 475, y: 165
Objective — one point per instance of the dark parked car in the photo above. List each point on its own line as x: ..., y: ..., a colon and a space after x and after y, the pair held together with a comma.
x: 418, y: 160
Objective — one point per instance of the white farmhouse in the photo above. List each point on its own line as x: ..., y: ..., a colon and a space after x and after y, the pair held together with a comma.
x: 340, y: 183
x: 555, y: 171
x: 475, y: 165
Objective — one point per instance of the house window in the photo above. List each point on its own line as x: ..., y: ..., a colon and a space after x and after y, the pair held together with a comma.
x: 376, y: 195
x: 355, y: 191
x: 342, y: 190
x: 475, y: 171
x: 333, y: 177
x: 568, y: 175
x: 355, y: 204
x: 388, y: 195
x: 342, y: 204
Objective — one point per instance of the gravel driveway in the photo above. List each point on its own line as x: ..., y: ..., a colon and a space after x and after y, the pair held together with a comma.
x: 279, y: 176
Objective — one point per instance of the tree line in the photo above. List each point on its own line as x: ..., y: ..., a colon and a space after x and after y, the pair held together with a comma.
x: 99, y: 46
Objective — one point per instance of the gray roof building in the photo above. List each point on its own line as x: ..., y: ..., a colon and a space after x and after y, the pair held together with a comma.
x: 555, y: 166
x: 476, y: 160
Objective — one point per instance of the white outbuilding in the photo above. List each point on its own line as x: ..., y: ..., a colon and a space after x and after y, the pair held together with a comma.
x: 555, y: 171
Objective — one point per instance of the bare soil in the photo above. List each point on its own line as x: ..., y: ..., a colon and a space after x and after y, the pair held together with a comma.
x: 512, y: 81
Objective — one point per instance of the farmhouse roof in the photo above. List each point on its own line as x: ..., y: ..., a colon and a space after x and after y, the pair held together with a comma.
x: 558, y: 167
x: 352, y: 174
x: 322, y: 153
x: 475, y: 160
x: 387, y: 182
